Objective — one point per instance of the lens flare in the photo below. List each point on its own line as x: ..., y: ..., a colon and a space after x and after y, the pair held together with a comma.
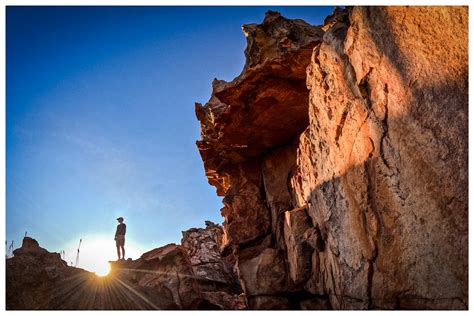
x: 102, y: 270
x: 96, y: 251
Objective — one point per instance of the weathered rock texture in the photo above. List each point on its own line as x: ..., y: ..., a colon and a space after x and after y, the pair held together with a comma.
x: 352, y: 193
x: 188, y: 276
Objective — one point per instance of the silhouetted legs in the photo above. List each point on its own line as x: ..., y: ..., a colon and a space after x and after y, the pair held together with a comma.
x: 123, y: 252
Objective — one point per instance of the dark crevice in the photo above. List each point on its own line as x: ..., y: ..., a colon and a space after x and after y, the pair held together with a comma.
x: 372, y: 207
x: 204, y: 263
x: 206, y: 305
x: 253, y: 242
x: 262, y: 188
x: 384, y: 127
x: 321, y: 243
x: 364, y: 88
x: 296, y: 298
x: 370, y: 277
x: 342, y: 121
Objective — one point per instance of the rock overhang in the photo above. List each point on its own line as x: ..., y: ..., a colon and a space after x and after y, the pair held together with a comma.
x: 267, y: 104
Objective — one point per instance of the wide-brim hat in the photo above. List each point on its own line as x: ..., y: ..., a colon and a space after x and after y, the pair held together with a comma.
x: 120, y: 218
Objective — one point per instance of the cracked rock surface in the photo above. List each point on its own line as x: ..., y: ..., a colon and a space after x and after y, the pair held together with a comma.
x: 355, y: 185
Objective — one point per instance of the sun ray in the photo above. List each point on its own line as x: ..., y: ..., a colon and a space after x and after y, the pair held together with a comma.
x: 65, y: 292
x: 137, y: 294
x: 107, y: 294
x: 116, y: 299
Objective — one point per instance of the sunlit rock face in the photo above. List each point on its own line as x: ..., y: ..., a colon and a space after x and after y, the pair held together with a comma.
x: 239, y: 121
x: 352, y: 193
x: 193, y: 275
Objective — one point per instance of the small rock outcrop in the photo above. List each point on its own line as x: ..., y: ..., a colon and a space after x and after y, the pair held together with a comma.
x: 173, y: 277
x: 341, y: 153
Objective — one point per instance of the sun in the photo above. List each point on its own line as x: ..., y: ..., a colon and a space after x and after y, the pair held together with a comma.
x: 96, y: 251
x: 103, y: 271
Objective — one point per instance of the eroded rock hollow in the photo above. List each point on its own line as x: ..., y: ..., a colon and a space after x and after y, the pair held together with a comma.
x: 341, y: 152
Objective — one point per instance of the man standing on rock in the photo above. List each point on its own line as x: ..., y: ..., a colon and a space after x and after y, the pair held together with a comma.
x: 120, y: 237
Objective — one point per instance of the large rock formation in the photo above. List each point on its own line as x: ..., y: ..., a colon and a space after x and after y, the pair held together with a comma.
x: 352, y: 193
x: 341, y: 153
x: 188, y: 276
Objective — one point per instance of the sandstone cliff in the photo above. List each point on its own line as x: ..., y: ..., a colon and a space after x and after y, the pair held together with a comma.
x: 341, y: 153
x: 188, y: 276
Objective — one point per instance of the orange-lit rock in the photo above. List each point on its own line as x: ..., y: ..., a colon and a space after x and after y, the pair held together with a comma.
x: 385, y: 157
x: 264, y: 107
x: 377, y: 157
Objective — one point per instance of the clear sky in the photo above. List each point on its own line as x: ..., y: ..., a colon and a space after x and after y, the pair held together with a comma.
x: 100, y: 119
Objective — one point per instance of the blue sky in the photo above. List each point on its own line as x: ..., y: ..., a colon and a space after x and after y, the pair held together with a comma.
x: 100, y: 117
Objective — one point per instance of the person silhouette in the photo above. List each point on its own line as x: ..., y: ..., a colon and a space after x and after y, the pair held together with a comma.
x: 120, y: 237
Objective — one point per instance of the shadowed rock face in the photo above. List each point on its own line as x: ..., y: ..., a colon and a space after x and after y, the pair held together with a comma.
x: 188, y: 276
x: 354, y: 189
